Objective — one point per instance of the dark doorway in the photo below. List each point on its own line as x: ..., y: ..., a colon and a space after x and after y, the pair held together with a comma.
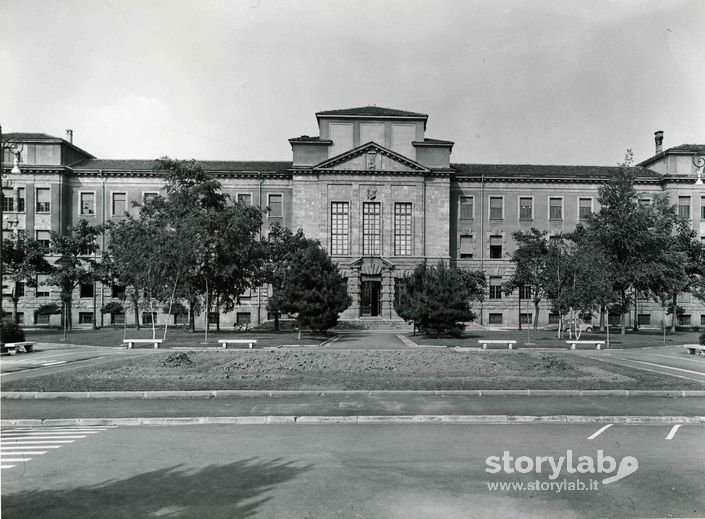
x: 369, y: 298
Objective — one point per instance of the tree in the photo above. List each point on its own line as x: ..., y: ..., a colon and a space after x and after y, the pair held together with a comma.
x: 75, y: 262
x: 437, y: 298
x: 23, y: 261
x: 313, y: 289
x: 531, y: 260
x: 280, y: 247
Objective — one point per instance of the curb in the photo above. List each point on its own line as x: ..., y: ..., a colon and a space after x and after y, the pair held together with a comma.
x: 221, y: 394
x: 353, y: 420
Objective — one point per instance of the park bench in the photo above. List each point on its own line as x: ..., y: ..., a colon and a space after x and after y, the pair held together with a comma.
x: 131, y: 342
x: 508, y: 343
x: 12, y: 347
x: 225, y: 342
x: 575, y: 344
x: 695, y: 349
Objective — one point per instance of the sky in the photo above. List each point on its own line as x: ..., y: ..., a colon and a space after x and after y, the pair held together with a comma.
x: 515, y: 82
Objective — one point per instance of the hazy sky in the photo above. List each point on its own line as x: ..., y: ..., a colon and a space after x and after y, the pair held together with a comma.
x: 542, y: 82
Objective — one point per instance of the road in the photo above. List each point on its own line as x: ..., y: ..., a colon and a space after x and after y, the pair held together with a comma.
x: 669, y: 360
x: 50, y: 358
x: 341, y: 471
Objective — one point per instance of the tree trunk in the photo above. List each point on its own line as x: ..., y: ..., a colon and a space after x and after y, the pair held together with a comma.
x: 623, y: 330
x: 636, y: 312
x: 135, y: 304
x: 192, y: 314
x: 15, y: 302
x: 674, y: 313
x: 536, y: 314
x: 602, y: 318
x: 276, y: 321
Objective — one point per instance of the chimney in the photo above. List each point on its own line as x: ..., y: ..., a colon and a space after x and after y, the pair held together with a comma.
x: 658, y: 137
x: 69, y: 136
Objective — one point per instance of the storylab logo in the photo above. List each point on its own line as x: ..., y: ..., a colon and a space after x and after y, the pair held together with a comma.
x: 581, y: 473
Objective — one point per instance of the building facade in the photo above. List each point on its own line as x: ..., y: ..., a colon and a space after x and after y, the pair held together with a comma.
x: 378, y: 193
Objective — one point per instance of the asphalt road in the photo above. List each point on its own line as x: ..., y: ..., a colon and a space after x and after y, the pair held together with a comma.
x: 669, y: 360
x: 341, y: 471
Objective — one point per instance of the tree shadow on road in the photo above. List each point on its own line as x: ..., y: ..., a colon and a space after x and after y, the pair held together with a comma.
x: 228, y: 491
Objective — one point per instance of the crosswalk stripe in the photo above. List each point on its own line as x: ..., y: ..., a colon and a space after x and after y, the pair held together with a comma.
x: 673, y: 431
x: 599, y: 431
x: 12, y: 438
x: 11, y: 443
x: 6, y: 466
x: 15, y: 460
x: 33, y: 453
x: 50, y: 433
x: 9, y: 448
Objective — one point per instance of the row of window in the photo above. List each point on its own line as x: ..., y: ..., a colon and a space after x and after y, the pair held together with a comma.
x: 14, y: 200
x: 371, y: 228
x: 497, y: 318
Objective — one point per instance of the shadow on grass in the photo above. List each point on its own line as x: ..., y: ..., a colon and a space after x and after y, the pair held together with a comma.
x: 227, y: 491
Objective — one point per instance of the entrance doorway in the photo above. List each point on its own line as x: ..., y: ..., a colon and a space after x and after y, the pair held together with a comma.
x: 369, y: 298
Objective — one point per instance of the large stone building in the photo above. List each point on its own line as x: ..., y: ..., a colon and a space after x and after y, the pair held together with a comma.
x: 378, y: 193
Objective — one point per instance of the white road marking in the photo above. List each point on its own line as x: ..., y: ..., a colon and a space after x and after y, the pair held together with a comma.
x: 669, y: 367
x: 34, y: 453
x: 11, y: 448
x: 43, y: 437
x: 55, y: 363
x: 12, y: 442
x: 674, y: 429
x: 599, y: 431
x: 6, y: 466
x: 14, y: 460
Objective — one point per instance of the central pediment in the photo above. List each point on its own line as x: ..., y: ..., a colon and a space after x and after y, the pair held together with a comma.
x: 371, y: 157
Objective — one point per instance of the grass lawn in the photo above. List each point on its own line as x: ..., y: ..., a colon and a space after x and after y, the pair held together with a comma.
x: 549, y: 339
x: 176, y: 337
x: 321, y: 369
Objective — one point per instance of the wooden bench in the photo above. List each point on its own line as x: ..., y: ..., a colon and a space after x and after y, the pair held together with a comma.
x: 694, y: 349
x: 509, y: 343
x: 12, y: 347
x: 225, y: 342
x: 575, y: 343
x: 131, y: 342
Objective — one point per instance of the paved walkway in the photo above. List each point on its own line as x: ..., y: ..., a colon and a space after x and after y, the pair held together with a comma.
x: 367, y: 340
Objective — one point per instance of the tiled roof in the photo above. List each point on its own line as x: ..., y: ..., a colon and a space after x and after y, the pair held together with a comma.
x: 208, y: 165
x: 434, y: 141
x: 371, y: 111
x: 21, y: 136
x: 539, y: 171
x: 681, y: 149
x: 306, y: 138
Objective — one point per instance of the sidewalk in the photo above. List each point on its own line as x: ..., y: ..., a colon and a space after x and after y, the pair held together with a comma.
x: 343, y: 406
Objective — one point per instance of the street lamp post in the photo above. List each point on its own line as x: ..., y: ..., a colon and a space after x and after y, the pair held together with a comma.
x: 14, y: 148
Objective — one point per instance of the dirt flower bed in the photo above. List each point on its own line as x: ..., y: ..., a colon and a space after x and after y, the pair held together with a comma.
x: 350, y: 370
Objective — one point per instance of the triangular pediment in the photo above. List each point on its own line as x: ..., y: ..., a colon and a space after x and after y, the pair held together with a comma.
x: 371, y: 157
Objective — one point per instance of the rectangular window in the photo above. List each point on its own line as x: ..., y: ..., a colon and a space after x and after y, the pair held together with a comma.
x: 496, y: 208
x: 213, y: 317
x: 119, y: 204
x: 525, y: 292
x: 644, y: 202
x: 495, y: 247
x: 614, y: 319
x: 553, y: 318
x: 8, y: 200
x: 702, y: 320
x: 44, y: 238
x: 86, y: 290
x: 495, y: 287
x: 555, y: 208
x: 244, y: 198
x: 148, y: 196
x: 41, y: 319
x: 466, y: 207
x: 340, y: 228
x: 20, y: 317
x: 118, y: 318
x: 684, y: 320
x: 43, y: 200
x: 526, y: 208
x: 644, y: 319
x: 402, y: 229
x: 85, y: 317
x: 495, y: 319
x: 43, y: 289
x: 466, y: 246
x: 370, y: 228
x: 276, y: 209
x: 149, y: 317
x: 684, y: 207
x: 702, y: 208
x: 584, y: 208
x: 20, y: 199
x: 117, y: 291
x: 243, y: 318
x: 526, y: 318
x: 87, y: 203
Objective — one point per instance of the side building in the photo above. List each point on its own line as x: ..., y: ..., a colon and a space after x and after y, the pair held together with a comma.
x: 378, y: 193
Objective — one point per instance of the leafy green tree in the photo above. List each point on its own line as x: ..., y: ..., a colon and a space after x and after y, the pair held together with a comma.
x: 280, y: 247
x: 437, y: 298
x: 24, y: 260
x: 313, y: 289
x: 531, y: 259
x: 75, y: 263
